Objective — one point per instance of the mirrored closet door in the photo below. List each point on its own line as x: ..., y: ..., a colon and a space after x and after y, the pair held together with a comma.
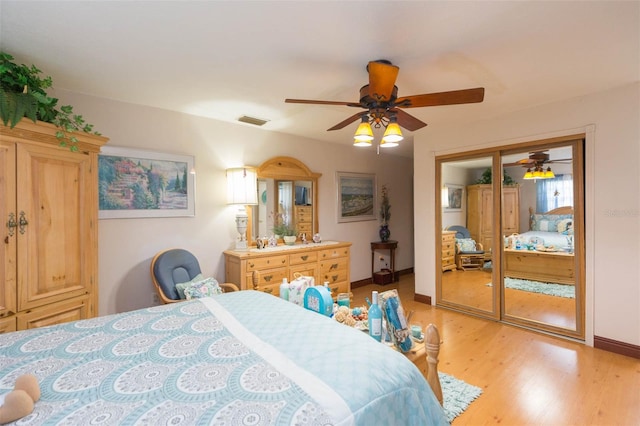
x: 518, y: 241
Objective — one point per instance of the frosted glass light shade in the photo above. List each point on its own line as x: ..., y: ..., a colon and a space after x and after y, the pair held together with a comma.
x: 363, y: 132
x: 393, y: 134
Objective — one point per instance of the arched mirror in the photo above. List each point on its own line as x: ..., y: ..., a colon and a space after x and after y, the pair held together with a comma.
x: 287, y: 196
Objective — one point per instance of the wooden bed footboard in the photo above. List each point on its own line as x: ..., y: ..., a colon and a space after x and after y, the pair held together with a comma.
x: 432, y: 345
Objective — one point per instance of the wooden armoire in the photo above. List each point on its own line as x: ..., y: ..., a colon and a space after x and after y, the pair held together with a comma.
x: 480, y: 212
x: 49, y: 216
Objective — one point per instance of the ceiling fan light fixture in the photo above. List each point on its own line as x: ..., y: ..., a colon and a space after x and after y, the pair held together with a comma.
x: 549, y: 174
x: 364, y: 133
x: 387, y: 144
x: 528, y: 174
x: 365, y: 144
x: 393, y: 134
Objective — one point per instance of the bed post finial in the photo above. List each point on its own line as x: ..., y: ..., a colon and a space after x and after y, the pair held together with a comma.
x: 432, y: 345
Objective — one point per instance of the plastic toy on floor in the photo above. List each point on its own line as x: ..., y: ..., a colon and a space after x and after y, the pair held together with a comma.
x: 20, y: 401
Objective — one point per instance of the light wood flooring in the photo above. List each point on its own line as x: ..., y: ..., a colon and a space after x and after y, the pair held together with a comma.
x: 527, y: 378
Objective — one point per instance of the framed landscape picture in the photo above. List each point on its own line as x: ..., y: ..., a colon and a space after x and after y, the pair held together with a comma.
x: 356, y: 196
x: 455, y: 194
x: 137, y: 184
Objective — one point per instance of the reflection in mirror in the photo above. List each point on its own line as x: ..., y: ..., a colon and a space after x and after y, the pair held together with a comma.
x: 467, y: 275
x: 539, y: 263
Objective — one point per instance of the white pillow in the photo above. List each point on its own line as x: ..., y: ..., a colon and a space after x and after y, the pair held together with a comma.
x: 204, y: 288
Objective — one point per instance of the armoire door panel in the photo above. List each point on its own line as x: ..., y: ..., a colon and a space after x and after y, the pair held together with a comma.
x: 8, y: 219
x: 50, y: 203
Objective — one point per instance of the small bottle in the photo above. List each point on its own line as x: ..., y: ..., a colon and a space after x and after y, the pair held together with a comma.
x: 284, y: 289
x: 375, y: 318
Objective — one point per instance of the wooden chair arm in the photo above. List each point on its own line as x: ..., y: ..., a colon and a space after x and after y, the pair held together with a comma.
x: 432, y: 346
x: 227, y: 287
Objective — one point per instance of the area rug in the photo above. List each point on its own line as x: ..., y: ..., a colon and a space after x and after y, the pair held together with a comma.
x: 457, y: 395
x: 550, y: 289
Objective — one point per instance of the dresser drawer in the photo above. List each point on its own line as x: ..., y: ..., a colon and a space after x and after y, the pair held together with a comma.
x: 304, y: 228
x: 448, y: 246
x: 307, y: 257
x: 306, y: 269
x: 267, y: 277
x: 333, y: 253
x: 261, y: 263
x: 448, y: 252
x: 334, y: 270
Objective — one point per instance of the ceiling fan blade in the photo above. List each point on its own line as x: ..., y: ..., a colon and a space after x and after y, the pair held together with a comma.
x: 382, y: 79
x: 308, y: 101
x: 408, y: 121
x: 348, y: 121
x: 465, y: 96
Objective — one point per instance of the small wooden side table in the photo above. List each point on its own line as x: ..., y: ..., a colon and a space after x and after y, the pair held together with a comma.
x: 382, y: 277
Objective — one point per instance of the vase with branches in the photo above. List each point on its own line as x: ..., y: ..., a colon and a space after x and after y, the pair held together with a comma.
x: 385, y: 214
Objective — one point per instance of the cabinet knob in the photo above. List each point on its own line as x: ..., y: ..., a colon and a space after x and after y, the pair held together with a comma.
x: 22, y: 222
x: 12, y: 225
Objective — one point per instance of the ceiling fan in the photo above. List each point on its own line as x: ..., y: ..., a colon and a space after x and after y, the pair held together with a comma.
x: 534, y: 165
x: 380, y: 99
x: 535, y: 159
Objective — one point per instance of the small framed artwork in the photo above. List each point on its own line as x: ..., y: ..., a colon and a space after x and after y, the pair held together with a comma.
x: 455, y: 194
x: 356, y: 196
x: 141, y: 184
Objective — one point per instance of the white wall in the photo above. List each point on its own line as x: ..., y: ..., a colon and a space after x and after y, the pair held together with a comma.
x: 612, y: 196
x: 126, y: 246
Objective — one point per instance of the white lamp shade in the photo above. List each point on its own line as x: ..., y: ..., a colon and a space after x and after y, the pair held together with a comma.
x: 242, y: 186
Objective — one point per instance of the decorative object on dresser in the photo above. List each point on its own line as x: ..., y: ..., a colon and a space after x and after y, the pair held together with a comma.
x: 242, y: 190
x: 264, y: 269
x: 140, y: 184
x: 448, y: 250
x: 49, y: 202
x: 356, y: 196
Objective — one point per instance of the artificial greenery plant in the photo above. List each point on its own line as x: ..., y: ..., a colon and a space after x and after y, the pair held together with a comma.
x: 486, y: 178
x: 23, y: 94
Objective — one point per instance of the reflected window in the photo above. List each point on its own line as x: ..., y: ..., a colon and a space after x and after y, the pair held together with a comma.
x: 554, y: 193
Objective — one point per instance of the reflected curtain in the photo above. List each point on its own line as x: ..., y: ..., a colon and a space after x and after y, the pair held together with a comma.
x: 554, y: 193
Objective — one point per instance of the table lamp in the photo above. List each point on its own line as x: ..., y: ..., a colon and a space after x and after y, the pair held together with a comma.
x: 242, y: 190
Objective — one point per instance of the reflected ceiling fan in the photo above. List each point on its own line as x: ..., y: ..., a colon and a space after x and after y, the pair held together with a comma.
x: 382, y: 105
x: 534, y: 165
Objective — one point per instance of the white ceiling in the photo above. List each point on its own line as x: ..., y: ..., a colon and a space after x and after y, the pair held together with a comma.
x: 227, y: 59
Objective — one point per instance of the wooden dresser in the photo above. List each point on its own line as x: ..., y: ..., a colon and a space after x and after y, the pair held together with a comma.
x: 448, y: 250
x: 304, y: 220
x: 264, y: 269
x: 49, y: 209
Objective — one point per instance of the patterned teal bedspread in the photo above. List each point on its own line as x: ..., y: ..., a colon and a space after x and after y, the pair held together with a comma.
x: 238, y: 358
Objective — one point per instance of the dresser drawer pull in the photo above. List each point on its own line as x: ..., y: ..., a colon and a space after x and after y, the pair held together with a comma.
x: 334, y: 278
x: 252, y: 265
x: 283, y: 261
x: 268, y: 290
x: 333, y: 266
x: 268, y: 278
x: 305, y: 257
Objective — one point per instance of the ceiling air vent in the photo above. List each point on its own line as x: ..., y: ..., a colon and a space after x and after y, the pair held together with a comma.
x: 252, y: 120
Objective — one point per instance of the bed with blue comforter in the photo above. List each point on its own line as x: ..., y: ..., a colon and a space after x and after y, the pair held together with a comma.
x: 237, y: 358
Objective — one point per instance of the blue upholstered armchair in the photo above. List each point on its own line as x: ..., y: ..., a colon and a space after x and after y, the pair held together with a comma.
x: 469, y: 253
x: 176, y: 266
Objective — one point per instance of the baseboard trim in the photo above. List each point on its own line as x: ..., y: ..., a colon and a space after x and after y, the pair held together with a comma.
x: 422, y: 298
x: 622, y: 348
x: 367, y: 281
